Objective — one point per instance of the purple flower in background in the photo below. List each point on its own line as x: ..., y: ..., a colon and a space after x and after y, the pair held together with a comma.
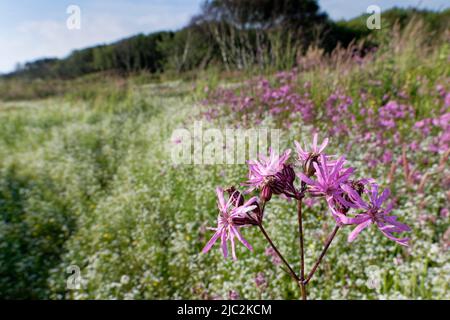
x: 441, y: 90
x: 260, y: 280
x: 393, y: 111
x: 272, y: 254
x: 177, y: 141
x: 329, y: 181
x: 309, y: 202
x: 227, y: 229
x: 374, y: 214
x: 387, y: 157
x: 443, y: 121
x: 337, y: 111
x: 233, y: 295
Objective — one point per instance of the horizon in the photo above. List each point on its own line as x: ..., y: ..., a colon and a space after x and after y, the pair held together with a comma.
x: 31, y: 31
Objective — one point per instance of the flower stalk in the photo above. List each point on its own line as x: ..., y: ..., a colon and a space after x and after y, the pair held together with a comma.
x: 274, y: 247
x: 302, y: 248
x: 322, y: 255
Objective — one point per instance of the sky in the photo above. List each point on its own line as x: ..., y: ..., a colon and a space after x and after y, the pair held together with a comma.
x: 31, y: 29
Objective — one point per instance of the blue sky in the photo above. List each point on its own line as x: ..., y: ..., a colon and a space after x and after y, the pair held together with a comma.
x: 31, y: 29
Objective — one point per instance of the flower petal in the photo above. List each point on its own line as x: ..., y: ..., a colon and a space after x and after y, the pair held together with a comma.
x: 348, y: 220
x: 323, y: 146
x: 352, y: 236
x: 222, y: 204
x: 211, y: 242
x: 400, y: 226
x: 383, y: 197
x: 241, y: 238
x: 224, y: 244
x: 305, y: 179
x: 233, y: 249
x: 401, y: 241
x: 314, y: 143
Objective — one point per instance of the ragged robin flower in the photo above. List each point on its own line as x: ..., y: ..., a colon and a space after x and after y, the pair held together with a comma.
x: 307, y: 158
x: 227, y: 229
x: 330, y: 178
x: 271, y: 175
x: 374, y: 213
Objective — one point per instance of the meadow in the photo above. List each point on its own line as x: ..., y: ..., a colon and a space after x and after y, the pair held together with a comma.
x: 87, y: 179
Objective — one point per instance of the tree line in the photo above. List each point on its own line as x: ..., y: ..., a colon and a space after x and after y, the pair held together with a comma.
x: 233, y: 34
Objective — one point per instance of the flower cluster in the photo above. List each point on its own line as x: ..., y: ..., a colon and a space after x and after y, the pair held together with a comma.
x: 233, y: 214
x: 350, y: 202
x: 378, y: 124
x: 271, y: 175
x: 264, y: 97
x: 333, y: 182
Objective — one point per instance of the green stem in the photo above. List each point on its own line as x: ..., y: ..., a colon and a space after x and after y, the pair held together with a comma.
x: 302, y: 249
x: 322, y: 255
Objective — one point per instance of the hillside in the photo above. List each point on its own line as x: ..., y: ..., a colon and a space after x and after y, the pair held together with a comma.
x: 193, y: 47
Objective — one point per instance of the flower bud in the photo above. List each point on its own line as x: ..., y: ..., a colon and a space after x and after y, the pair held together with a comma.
x: 236, y: 196
x: 280, y: 183
x: 358, y: 186
x: 252, y: 218
x: 288, y: 174
x: 277, y: 185
x: 266, y: 193
x: 308, y: 167
x: 245, y: 221
x: 259, y: 214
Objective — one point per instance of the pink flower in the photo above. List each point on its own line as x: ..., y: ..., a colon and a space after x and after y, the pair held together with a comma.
x: 441, y: 90
x: 271, y: 175
x: 260, y: 280
x: 329, y: 181
x: 374, y: 214
x: 315, y: 150
x: 272, y: 254
x: 387, y: 157
x: 233, y: 295
x: 227, y: 228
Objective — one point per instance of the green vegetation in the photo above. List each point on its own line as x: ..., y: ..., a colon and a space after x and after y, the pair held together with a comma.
x: 86, y: 179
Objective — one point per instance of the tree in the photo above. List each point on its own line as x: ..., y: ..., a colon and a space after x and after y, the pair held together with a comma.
x: 251, y: 32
